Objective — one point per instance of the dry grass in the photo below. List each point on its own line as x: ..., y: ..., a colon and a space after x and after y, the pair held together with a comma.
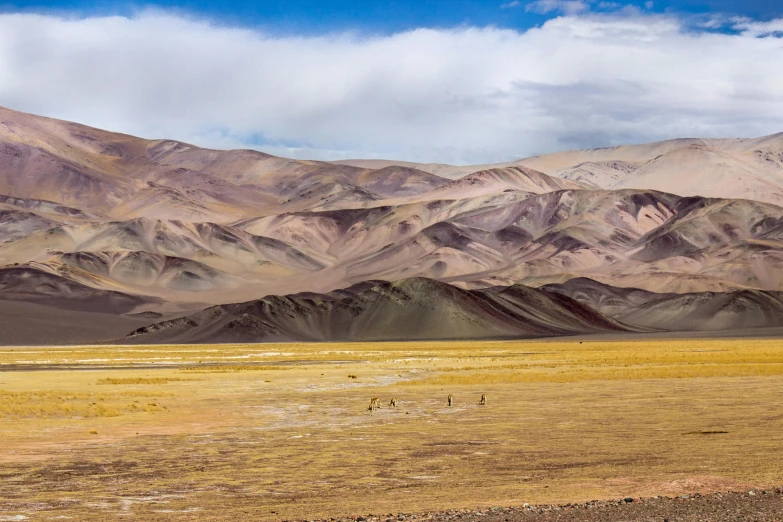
x: 53, y: 404
x: 599, y: 361
x: 140, y: 380
x: 564, y: 422
x: 567, y: 374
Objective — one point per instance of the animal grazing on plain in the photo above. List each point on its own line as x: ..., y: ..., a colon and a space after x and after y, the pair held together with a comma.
x: 450, y: 399
x: 483, y: 400
x: 375, y: 403
x: 393, y: 402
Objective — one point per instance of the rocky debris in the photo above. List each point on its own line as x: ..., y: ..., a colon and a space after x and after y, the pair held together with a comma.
x: 759, y: 505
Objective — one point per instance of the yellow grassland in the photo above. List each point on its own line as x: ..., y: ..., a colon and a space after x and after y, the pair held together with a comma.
x: 218, y: 432
x: 139, y: 380
x: 52, y: 404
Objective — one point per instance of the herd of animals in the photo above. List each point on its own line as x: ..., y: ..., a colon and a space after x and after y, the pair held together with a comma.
x: 375, y: 402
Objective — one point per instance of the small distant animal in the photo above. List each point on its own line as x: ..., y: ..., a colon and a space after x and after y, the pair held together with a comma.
x: 393, y: 402
x: 450, y: 399
x: 375, y: 403
x: 483, y: 400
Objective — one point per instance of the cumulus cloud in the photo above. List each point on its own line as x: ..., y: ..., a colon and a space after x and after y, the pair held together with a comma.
x: 470, y: 95
x: 509, y: 5
x: 562, y: 6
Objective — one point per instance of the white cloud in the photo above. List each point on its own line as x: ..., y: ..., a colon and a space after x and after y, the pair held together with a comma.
x: 509, y: 5
x: 568, y: 7
x: 649, y: 4
x: 461, y: 96
x: 758, y: 29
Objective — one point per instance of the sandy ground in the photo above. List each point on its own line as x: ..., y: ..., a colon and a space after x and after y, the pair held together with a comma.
x: 282, y: 431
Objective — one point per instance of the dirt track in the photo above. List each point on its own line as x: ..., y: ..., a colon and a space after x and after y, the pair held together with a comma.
x: 749, y: 506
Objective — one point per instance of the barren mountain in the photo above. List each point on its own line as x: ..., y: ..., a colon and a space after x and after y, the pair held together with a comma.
x: 703, y: 311
x: 717, y: 168
x: 421, y: 309
x: 606, y: 299
x: 710, y: 311
x: 410, y: 309
x: 181, y: 227
x: 32, y: 285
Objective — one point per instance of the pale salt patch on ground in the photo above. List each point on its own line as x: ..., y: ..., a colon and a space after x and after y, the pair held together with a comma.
x: 385, y: 380
x: 82, y: 361
x: 247, y: 356
x: 99, y: 505
x: 276, y: 418
x: 156, y: 350
x: 127, y: 503
x: 329, y: 352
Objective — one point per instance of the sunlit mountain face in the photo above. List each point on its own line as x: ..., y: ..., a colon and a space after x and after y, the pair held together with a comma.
x: 149, y: 231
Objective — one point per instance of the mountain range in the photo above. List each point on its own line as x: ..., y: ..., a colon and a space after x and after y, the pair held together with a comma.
x: 179, y: 243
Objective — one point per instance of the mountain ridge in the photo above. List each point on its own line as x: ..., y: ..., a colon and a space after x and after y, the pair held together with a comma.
x: 186, y: 227
x: 415, y: 309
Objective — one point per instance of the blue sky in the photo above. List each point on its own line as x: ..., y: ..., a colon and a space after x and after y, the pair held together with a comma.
x: 458, y: 81
x: 318, y: 16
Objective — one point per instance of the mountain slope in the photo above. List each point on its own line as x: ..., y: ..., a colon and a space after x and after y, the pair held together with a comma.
x: 716, y: 168
x: 193, y: 227
x: 30, y: 284
x: 710, y: 311
x: 701, y: 311
x: 606, y: 299
x: 410, y: 309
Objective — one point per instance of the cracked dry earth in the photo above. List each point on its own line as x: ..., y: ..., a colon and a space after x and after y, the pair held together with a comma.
x: 750, y: 506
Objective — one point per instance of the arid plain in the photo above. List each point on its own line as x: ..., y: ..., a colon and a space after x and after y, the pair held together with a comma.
x: 282, y: 431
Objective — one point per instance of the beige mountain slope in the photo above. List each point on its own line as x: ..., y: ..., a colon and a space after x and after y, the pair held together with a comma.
x: 626, y: 153
x: 496, y: 180
x: 122, y: 177
x: 706, y: 170
x: 181, y: 227
x: 768, y: 147
x: 442, y: 170
x: 721, y: 168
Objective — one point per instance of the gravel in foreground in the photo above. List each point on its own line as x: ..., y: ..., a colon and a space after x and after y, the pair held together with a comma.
x: 750, y: 506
